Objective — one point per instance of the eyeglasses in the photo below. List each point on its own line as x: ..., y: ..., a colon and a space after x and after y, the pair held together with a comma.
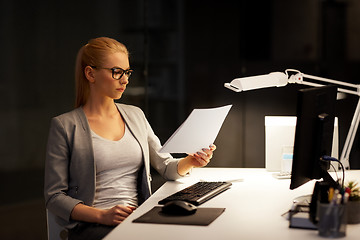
x: 117, y: 72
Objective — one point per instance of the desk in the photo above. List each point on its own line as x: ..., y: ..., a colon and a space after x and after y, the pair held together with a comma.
x: 253, y: 209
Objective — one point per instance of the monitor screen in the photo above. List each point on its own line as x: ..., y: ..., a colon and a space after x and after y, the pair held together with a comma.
x: 313, y: 134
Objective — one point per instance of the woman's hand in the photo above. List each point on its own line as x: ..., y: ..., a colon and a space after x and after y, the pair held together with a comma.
x: 115, y: 215
x: 203, y: 157
x: 111, y: 217
x: 199, y: 159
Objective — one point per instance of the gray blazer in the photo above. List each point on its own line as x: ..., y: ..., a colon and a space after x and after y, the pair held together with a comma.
x: 70, y: 167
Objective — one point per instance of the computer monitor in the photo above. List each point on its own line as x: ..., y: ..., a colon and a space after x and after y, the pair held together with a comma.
x: 313, y: 135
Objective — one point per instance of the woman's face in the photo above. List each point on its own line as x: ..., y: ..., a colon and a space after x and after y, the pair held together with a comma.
x: 104, y: 85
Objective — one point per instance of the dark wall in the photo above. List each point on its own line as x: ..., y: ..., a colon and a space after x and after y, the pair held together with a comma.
x: 182, y: 53
x: 245, y: 38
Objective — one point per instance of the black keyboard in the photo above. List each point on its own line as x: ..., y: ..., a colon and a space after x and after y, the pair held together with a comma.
x: 198, y: 193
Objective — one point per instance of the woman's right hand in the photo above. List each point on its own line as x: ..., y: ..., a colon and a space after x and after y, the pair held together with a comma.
x: 115, y: 215
x: 111, y: 217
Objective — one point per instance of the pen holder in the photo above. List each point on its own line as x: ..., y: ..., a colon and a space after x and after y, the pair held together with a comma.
x: 332, y: 220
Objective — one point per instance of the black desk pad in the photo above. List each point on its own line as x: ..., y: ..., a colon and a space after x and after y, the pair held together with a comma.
x: 202, y: 217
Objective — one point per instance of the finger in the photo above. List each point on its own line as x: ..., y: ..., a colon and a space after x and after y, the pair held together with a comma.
x: 125, y: 209
x: 204, y: 162
x: 203, y: 151
x: 202, y: 155
x: 115, y: 222
x: 122, y: 213
x: 208, y: 152
x: 115, y: 218
x: 132, y: 208
x: 212, y: 147
x: 118, y: 220
x: 119, y: 214
x: 201, y: 160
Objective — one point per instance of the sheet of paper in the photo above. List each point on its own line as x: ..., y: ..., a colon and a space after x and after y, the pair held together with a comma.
x: 198, y: 131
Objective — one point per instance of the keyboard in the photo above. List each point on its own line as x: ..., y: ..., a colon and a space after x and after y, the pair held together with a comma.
x: 198, y: 193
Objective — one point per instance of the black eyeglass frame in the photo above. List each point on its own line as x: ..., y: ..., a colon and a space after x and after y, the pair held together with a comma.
x: 126, y: 72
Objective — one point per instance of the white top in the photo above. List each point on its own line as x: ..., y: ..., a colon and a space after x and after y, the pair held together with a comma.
x: 117, y: 165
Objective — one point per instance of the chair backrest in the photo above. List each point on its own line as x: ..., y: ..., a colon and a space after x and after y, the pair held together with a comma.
x: 54, y: 230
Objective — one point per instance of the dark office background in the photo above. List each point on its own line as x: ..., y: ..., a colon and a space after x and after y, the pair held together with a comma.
x: 182, y: 53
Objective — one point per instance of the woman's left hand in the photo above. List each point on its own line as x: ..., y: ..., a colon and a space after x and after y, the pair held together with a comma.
x: 199, y: 159
x: 203, y: 157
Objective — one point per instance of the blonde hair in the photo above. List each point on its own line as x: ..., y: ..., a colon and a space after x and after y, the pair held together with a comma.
x: 92, y: 54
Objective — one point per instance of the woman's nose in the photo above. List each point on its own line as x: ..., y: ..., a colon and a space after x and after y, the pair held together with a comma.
x: 124, y: 79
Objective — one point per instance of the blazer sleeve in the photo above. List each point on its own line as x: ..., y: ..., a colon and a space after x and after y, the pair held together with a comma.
x: 164, y: 163
x: 56, y: 182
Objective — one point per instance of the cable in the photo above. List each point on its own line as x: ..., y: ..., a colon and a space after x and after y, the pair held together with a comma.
x: 328, y: 158
x: 333, y: 167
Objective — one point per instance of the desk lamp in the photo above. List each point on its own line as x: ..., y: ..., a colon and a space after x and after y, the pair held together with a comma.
x: 280, y: 79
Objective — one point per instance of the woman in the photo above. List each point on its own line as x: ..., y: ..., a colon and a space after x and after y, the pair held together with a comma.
x: 98, y: 155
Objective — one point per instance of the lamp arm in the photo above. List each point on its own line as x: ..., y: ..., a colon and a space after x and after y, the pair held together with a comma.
x: 299, y: 79
x: 345, y: 155
x: 332, y: 81
x: 343, y: 90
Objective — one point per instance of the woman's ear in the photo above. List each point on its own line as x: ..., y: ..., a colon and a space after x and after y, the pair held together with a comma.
x: 89, y: 74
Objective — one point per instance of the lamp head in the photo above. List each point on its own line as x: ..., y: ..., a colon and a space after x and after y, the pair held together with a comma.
x: 274, y: 79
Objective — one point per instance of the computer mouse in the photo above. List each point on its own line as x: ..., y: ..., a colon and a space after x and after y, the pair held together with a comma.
x: 179, y: 208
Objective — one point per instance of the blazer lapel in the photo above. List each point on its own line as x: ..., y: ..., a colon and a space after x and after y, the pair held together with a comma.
x: 144, y: 186
x: 136, y: 131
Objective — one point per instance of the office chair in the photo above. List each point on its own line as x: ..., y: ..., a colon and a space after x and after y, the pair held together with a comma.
x: 54, y: 230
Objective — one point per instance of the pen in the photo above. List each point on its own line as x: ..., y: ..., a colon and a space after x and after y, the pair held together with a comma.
x: 338, y: 198
x: 335, y: 197
x: 331, y: 194
x: 346, y: 197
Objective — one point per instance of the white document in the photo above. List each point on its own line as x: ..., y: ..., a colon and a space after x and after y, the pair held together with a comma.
x: 198, y: 131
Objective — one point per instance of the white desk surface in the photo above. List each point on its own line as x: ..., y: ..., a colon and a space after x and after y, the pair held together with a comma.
x: 253, y: 209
